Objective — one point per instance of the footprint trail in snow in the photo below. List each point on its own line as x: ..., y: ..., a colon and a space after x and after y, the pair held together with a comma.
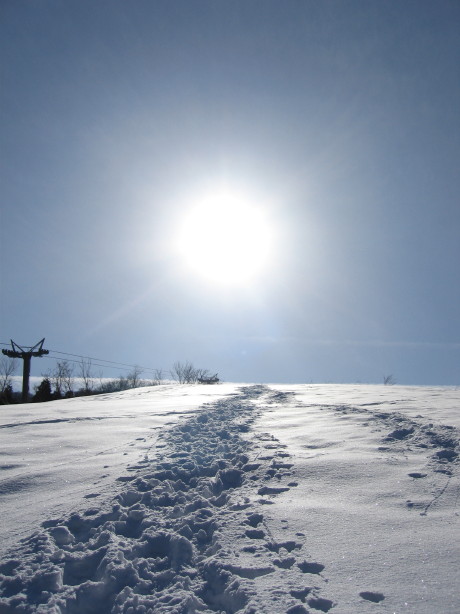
x: 437, y: 446
x: 188, y: 534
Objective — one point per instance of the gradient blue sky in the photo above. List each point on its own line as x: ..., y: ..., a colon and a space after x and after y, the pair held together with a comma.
x: 340, y: 118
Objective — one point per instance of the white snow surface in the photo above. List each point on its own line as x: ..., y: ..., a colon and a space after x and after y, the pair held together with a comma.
x: 233, y: 498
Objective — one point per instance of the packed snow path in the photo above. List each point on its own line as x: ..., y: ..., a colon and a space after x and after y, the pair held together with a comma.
x: 198, y: 527
x: 186, y: 535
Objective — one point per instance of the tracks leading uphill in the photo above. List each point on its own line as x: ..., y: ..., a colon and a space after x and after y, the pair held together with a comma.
x: 186, y: 535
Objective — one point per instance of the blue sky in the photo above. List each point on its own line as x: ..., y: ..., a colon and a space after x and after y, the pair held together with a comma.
x: 340, y: 118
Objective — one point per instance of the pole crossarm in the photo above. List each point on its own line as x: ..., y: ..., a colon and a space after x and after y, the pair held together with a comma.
x: 20, y: 352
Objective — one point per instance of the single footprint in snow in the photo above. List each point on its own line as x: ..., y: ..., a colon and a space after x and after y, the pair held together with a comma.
x: 447, y: 454
x: 372, y: 596
x: 254, y: 519
x: 271, y: 490
x: 286, y: 563
x: 401, y: 433
x: 279, y: 465
x: 251, y: 466
x: 255, y: 533
x: 306, y: 567
x: 301, y: 593
x: 319, y: 603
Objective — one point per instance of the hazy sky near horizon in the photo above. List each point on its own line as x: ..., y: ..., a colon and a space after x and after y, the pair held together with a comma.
x: 339, y: 119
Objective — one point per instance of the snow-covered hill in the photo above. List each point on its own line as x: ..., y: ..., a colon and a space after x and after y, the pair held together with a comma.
x: 251, y: 499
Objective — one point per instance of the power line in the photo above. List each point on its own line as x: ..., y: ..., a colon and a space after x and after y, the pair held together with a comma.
x: 112, y: 362
x: 109, y: 363
x: 93, y: 364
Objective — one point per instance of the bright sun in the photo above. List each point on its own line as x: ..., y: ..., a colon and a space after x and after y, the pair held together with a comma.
x: 225, y: 239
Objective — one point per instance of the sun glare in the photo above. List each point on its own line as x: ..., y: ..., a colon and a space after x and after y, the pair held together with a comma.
x: 225, y: 239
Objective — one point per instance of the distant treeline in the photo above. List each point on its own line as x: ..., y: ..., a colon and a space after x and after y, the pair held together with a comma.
x: 62, y: 383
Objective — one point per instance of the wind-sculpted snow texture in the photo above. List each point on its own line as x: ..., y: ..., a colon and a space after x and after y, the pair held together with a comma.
x: 188, y: 534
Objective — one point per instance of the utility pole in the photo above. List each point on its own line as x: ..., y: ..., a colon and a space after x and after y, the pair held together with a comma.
x: 26, y: 355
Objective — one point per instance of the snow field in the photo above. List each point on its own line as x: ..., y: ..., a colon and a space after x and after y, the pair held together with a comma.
x: 182, y: 537
x: 278, y: 500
